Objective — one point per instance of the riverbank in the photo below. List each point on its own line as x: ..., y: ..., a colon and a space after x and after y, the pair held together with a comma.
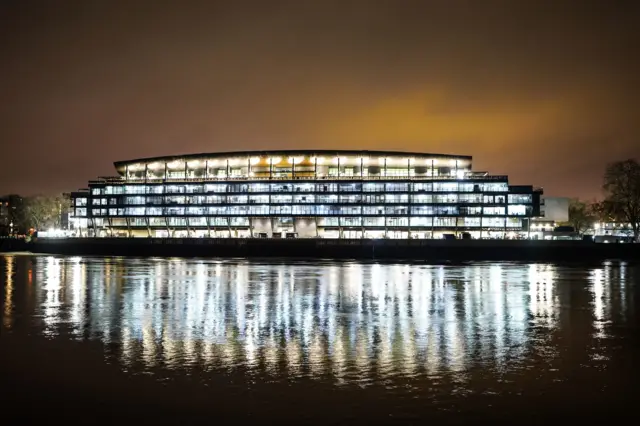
x: 13, y: 244
x: 428, y: 250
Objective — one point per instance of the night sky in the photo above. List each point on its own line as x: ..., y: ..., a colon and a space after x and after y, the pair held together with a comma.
x: 544, y: 91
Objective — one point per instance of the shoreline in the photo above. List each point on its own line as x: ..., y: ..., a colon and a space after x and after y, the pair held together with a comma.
x: 357, y: 249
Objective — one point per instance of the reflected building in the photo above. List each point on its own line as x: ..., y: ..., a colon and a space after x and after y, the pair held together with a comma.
x: 343, y: 321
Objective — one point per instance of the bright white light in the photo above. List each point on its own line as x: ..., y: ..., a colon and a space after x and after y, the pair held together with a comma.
x: 254, y: 160
x: 460, y: 174
x: 53, y: 233
x: 134, y: 167
x: 275, y: 160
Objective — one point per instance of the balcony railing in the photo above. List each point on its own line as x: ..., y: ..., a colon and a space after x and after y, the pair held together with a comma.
x: 498, y: 178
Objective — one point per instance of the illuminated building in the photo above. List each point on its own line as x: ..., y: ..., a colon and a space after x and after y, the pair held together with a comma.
x: 304, y: 194
x: 554, y: 211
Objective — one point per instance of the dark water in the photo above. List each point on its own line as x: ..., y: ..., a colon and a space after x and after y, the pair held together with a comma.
x: 176, y: 340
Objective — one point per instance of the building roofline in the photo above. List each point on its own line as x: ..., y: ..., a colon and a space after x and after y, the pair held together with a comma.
x: 119, y: 164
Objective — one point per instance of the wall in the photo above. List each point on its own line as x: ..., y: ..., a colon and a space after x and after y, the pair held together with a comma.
x: 556, y: 208
x: 305, y: 227
x: 261, y: 225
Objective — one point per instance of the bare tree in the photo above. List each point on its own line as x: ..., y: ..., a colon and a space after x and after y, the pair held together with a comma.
x: 622, y: 186
x: 42, y: 212
x: 604, y: 211
x: 580, y: 216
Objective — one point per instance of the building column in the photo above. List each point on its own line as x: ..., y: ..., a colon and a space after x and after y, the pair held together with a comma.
x: 433, y: 220
x: 410, y: 196
x: 504, y: 236
x: 385, y: 223
x: 362, y: 205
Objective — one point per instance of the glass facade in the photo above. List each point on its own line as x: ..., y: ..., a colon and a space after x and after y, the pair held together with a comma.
x: 303, y: 194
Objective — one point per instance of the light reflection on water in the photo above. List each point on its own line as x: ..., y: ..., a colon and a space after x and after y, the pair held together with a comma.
x: 350, y: 323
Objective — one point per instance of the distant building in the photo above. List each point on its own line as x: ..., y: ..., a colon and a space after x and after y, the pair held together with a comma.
x: 9, y: 211
x: 613, y: 232
x: 555, y: 208
x: 4, y: 216
x: 562, y: 233
x: 553, y: 211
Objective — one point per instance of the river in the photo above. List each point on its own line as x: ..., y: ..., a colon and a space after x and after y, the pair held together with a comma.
x: 137, y: 340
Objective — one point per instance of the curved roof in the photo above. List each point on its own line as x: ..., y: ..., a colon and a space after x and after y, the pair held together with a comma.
x: 290, y: 152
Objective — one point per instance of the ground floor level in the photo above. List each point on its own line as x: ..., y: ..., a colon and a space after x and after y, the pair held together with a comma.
x: 345, y: 233
x: 305, y: 227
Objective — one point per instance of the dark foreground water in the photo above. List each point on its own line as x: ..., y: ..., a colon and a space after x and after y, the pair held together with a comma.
x: 187, y: 341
